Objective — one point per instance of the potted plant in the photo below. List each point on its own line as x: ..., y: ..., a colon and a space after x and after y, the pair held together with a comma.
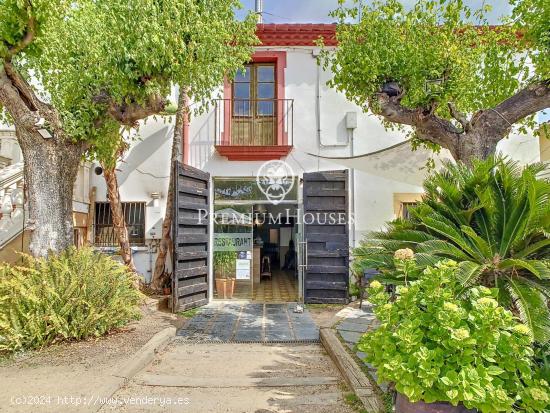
x: 167, y: 287
x: 449, y: 354
x: 224, y: 264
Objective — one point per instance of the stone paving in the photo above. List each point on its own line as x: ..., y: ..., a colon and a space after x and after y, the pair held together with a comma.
x: 356, y: 322
x: 250, y: 323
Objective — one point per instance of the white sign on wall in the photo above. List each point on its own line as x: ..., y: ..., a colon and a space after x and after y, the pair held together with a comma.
x: 243, y: 270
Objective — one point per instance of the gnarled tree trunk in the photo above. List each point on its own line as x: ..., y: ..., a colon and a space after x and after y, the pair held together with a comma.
x: 50, y: 170
x: 159, y: 273
x: 117, y: 214
x: 467, y: 138
x: 475, y: 145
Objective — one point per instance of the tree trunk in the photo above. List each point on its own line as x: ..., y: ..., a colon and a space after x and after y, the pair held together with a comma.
x: 159, y: 273
x: 478, y: 136
x: 475, y: 145
x: 50, y: 170
x: 117, y: 214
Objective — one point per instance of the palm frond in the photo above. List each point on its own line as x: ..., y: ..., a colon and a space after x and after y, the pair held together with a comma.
x: 443, y: 249
x: 535, y: 267
x: 532, y: 248
x: 532, y: 308
x: 468, y: 273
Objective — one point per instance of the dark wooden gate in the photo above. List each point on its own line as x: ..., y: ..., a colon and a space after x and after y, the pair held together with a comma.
x: 326, y: 237
x: 191, y: 238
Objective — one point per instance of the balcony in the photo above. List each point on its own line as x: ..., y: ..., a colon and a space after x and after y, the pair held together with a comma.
x: 254, y: 129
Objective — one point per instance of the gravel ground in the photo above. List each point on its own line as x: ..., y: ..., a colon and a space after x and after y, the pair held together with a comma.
x: 225, y: 368
x: 44, y: 381
x: 324, y: 315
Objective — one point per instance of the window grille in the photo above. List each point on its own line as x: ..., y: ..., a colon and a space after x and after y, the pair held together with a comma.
x: 406, y: 209
x: 134, y: 215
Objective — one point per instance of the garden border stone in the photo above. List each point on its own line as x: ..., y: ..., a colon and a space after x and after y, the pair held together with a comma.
x: 140, y: 360
x: 352, y: 373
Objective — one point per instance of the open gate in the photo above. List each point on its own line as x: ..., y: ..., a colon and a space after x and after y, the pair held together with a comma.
x: 326, y: 237
x: 191, y: 238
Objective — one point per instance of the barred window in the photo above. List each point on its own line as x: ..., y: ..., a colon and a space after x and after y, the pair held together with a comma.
x: 134, y: 215
x: 406, y: 209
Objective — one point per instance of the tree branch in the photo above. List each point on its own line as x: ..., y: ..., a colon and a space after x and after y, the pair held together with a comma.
x: 427, y: 125
x: 498, y: 121
x: 24, y: 89
x: 460, y: 117
x: 11, y: 98
x: 129, y: 114
x: 25, y: 41
x: 28, y: 96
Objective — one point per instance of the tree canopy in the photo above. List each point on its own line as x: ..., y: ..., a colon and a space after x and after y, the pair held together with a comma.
x: 73, y: 72
x: 441, y: 68
x: 108, y: 63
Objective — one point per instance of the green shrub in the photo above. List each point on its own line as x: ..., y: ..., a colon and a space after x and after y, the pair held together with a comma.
x: 77, y: 294
x: 494, y: 220
x: 435, y: 347
x: 542, y: 358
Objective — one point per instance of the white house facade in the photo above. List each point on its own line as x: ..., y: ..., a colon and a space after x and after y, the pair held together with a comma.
x: 279, y: 109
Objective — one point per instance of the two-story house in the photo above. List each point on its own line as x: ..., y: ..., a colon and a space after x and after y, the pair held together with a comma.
x: 334, y: 159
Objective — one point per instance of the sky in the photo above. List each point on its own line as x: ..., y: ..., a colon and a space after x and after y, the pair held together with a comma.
x: 316, y: 11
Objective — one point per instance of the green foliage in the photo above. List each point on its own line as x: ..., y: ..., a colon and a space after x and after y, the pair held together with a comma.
x: 15, y: 16
x: 354, y: 289
x: 542, y: 358
x: 138, y: 49
x: 224, y: 261
x: 99, y: 54
x: 189, y: 313
x: 494, y: 219
x: 533, y: 19
x: 75, y: 295
x: 435, y: 347
x: 438, y: 52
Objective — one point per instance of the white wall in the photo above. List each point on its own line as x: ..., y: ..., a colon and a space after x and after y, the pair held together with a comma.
x: 146, y: 169
x: 9, y: 148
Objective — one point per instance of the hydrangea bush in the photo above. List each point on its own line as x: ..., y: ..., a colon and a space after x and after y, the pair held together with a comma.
x: 469, y: 350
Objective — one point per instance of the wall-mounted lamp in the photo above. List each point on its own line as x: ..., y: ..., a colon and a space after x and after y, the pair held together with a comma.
x: 45, y: 133
x: 156, y: 196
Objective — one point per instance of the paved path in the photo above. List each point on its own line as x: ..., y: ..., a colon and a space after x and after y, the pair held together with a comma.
x: 356, y: 322
x: 199, y: 372
x: 250, y: 323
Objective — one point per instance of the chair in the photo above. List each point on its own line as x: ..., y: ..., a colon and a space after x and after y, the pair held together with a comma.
x: 266, y: 268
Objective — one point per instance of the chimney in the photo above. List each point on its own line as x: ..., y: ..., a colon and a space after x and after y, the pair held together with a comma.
x: 260, y: 10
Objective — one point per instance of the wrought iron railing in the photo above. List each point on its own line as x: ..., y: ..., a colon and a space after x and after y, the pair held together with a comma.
x: 254, y: 122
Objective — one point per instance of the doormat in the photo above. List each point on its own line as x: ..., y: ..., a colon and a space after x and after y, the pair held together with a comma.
x: 250, y: 323
x: 186, y: 340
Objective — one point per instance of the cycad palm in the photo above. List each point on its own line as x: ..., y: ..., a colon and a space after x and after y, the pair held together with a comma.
x: 494, y: 219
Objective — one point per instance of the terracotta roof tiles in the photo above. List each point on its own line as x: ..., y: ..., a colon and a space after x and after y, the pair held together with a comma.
x: 297, y: 34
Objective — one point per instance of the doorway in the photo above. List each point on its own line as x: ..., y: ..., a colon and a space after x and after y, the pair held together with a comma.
x: 275, y: 263
x: 255, y: 252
